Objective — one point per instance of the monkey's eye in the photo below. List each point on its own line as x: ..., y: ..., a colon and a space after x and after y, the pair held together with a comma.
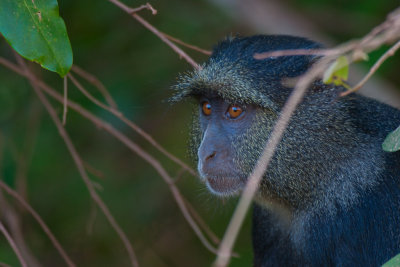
x: 234, y: 111
x: 206, y: 106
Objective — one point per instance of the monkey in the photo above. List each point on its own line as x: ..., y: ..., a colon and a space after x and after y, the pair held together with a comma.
x: 331, y: 195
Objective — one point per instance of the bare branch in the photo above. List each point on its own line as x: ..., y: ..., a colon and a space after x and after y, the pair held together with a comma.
x: 13, y: 245
x: 159, y: 34
x: 12, y: 220
x: 64, y: 120
x: 79, y: 164
x: 97, y: 83
x: 147, y: 157
x: 24, y: 157
x: 214, y: 238
x: 193, y: 47
x: 39, y: 219
x: 374, y: 68
x: 11, y: 217
x: 133, y: 126
x: 146, y: 6
x: 92, y: 98
x: 297, y: 52
x: 127, y: 142
x: 93, y: 170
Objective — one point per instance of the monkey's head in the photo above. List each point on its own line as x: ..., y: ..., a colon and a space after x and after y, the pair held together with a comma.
x: 238, y: 99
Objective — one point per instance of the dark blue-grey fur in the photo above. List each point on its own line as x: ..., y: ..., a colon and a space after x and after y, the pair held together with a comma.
x: 339, y: 190
x: 346, y: 197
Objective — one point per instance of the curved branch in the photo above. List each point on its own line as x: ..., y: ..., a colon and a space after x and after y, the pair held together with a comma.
x: 13, y: 245
x: 78, y: 162
x: 42, y: 224
x: 126, y: 141
x: 154, y: 30
x: 132, y: 125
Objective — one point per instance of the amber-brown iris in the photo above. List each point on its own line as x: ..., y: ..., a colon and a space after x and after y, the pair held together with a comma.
x: 206, y: 108
x: 234, y: 111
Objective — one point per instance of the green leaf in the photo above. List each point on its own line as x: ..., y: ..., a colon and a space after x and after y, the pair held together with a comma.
x: 393, y: 262
x: 392, y: 141
x: 337, y: 72
x: 37, y: 32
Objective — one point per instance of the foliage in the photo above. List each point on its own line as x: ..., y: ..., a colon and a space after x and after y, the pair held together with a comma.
x: 37, y: 32
x: 392, y: 141
x: 338, y: 72
x: 393, y: 262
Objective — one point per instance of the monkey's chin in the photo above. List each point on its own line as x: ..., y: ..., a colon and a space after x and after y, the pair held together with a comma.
x: 224, y: 186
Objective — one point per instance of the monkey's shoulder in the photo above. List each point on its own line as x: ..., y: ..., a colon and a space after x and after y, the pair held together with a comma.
x: 321, y: 234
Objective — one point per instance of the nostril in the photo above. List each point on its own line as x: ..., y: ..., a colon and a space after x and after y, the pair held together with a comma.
x: 211, y: 155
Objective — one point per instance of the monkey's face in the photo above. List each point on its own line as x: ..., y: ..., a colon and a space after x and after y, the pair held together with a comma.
x: 228, y: 135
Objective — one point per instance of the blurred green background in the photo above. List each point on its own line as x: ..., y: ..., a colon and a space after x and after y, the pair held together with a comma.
x: 138, y: 70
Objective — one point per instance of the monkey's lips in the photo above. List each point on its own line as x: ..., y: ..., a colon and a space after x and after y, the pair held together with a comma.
x: 223, y: 185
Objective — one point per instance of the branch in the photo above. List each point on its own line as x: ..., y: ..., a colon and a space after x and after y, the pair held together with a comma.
x: 159, y: 34
x: 298, y: 52
x: 39, y: 219
x: 13, y: 222
x: 13, y: 245
x: 133, y: 126
x: 374, y: 68
x: 79, y: 163
x: 92, y: 98
x: 24, y: 157
x: 97, y: 83
x: 128, y: 143
x: 146, y: 6
x: 193, y: 47
x: 214, y: 238
x: 64, y: 120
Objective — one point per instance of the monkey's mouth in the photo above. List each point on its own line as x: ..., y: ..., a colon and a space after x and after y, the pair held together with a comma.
x: 223, y: 185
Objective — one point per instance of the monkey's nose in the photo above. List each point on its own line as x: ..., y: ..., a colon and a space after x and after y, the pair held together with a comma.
x: 211, y: 155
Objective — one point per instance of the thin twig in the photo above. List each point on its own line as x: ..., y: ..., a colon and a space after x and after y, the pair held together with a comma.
x: 193, y: 47
x: 92, y: 98
x: 92, y: 219
x: 374, y: 68
x: 12, y: 220
x: 39, y: 219
x: 127, y: 142
x: 143, y: 154
x: 147, y: 157
x: 146, y: 6
x: 78, y: 162
x: 133, y: 126
x: 97, y: 83
x: 214, y: 238
x: 93, y: 170
x: 297, y: 52
x: 13, y: 245
x: 159, y: 34
x: 178, y: 176
x: 25, y: 157
x: 64, y: 120
x: 225, y: 248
